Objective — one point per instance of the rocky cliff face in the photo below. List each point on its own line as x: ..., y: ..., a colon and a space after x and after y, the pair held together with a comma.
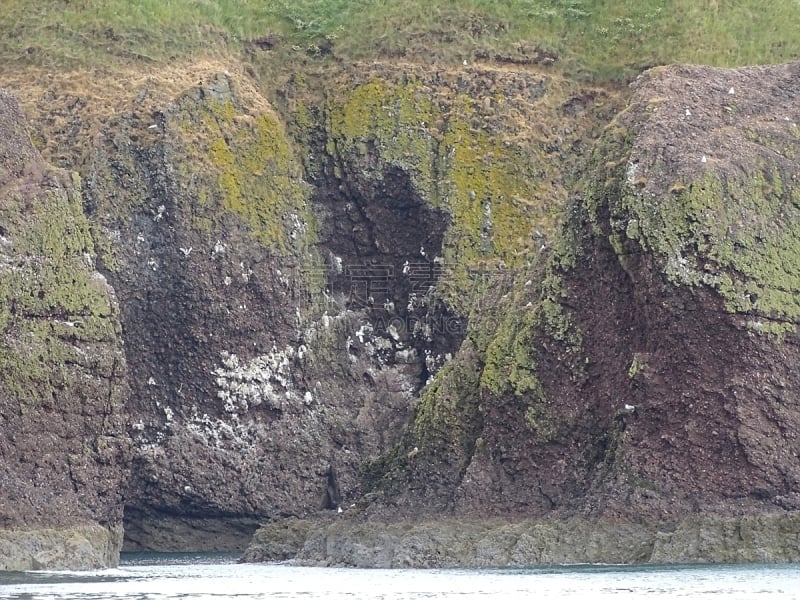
x: 658, y: 373
x: 280, y: 329
x: 646, y: 372
x: 289, y: 280
x: 64, y: 450
x: 420, y: 292
x: 249, y: 399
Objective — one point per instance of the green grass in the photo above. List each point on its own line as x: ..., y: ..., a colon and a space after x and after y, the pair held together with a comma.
x: 596, y: 39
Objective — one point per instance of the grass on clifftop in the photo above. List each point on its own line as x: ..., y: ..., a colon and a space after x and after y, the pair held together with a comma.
x: 597, y: 39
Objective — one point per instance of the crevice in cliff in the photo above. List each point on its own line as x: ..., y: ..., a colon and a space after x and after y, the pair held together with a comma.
x: 382, y: 245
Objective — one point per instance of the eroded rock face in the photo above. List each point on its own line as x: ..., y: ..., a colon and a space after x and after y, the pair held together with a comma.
x: 289, y: 284
x: 361, y: 299
x: 705, y: 227
x: 257, y: 389
x: 637, y: 394
x: 64, y: 449
x: 279, y: 295
x: 652, y: 373
x: 62, y: 548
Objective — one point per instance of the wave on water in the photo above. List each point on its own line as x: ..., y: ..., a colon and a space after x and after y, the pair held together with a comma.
x: 219, y: 577
x: 177, y: 558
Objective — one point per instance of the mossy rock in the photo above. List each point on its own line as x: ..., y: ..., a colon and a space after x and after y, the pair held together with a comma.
x: 719, y: 205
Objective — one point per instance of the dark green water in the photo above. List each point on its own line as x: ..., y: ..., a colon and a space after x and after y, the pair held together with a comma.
x: 218, y: 577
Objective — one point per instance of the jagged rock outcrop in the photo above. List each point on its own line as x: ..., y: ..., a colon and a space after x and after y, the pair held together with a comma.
x: 64, y: 448
x: 647, y: 373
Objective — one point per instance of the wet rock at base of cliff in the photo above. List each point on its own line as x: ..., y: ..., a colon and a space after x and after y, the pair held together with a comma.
x: 279, y: 540
x: 497, y: 542
x: 73, y: 548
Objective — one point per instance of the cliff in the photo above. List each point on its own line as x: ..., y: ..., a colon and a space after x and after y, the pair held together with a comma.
x: 275, y: 264
x: 64, y: 450
x: 642, y: 380
x: 247, y: 399
x: 491, y: 302
x: 668, y: 291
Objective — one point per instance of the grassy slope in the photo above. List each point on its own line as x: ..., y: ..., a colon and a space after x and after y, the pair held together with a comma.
x: 596, y: 39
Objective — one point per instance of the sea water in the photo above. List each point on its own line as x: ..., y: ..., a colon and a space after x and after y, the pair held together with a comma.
x: 219, y: 577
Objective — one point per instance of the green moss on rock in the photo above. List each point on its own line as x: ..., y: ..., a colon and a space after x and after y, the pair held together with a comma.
x: 532, y: 313
x: 454, y: 164
x: 510, y: 364
x: 708, y: 195
x: 446, y: 422
x: 51, y: 301
x: 739, y: 236
x: 448, y: 407
x: 255, y: 174
x: 53, y: 279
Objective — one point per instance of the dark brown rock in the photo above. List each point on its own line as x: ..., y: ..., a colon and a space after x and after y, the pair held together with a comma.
x: 636, y: 368
x: 653, y: 371
x: 63, y: 445
x: 251, y: 379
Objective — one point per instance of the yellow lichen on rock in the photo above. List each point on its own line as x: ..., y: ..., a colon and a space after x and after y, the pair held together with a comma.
x: 255, y: 174
x: 456, y: 151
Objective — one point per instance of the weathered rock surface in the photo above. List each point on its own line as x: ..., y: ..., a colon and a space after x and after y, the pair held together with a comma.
x: 647, y: 372
x: 78, y: 547
x: 497, y: 542
x: 367, y: 291
x: 279, y: 540
x: 658, y: 369
x: 64, y: 449
x: 277, y: 331
x: 256, y: 392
